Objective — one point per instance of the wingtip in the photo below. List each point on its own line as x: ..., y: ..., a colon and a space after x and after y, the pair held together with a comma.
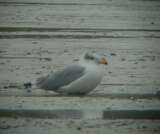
x: 40, y: 81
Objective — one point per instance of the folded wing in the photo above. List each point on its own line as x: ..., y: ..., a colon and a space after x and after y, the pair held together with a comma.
x: 56, y: 80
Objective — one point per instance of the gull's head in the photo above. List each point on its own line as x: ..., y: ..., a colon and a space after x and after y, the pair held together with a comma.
x: 93, y: 57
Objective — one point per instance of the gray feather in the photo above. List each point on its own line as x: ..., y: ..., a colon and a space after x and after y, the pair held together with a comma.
x: 61, y: 78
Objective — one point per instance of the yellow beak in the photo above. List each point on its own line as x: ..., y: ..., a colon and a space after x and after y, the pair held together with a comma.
x: 103, y: 61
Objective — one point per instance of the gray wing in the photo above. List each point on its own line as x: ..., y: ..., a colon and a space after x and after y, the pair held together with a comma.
x: 61, y: 78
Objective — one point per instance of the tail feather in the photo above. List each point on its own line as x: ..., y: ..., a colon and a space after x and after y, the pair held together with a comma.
x: 40, y: 81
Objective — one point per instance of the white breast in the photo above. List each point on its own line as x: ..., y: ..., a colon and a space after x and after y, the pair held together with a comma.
x: 87, y: 82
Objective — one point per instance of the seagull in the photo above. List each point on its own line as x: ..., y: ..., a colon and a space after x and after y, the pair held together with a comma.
x: 76, y: 79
